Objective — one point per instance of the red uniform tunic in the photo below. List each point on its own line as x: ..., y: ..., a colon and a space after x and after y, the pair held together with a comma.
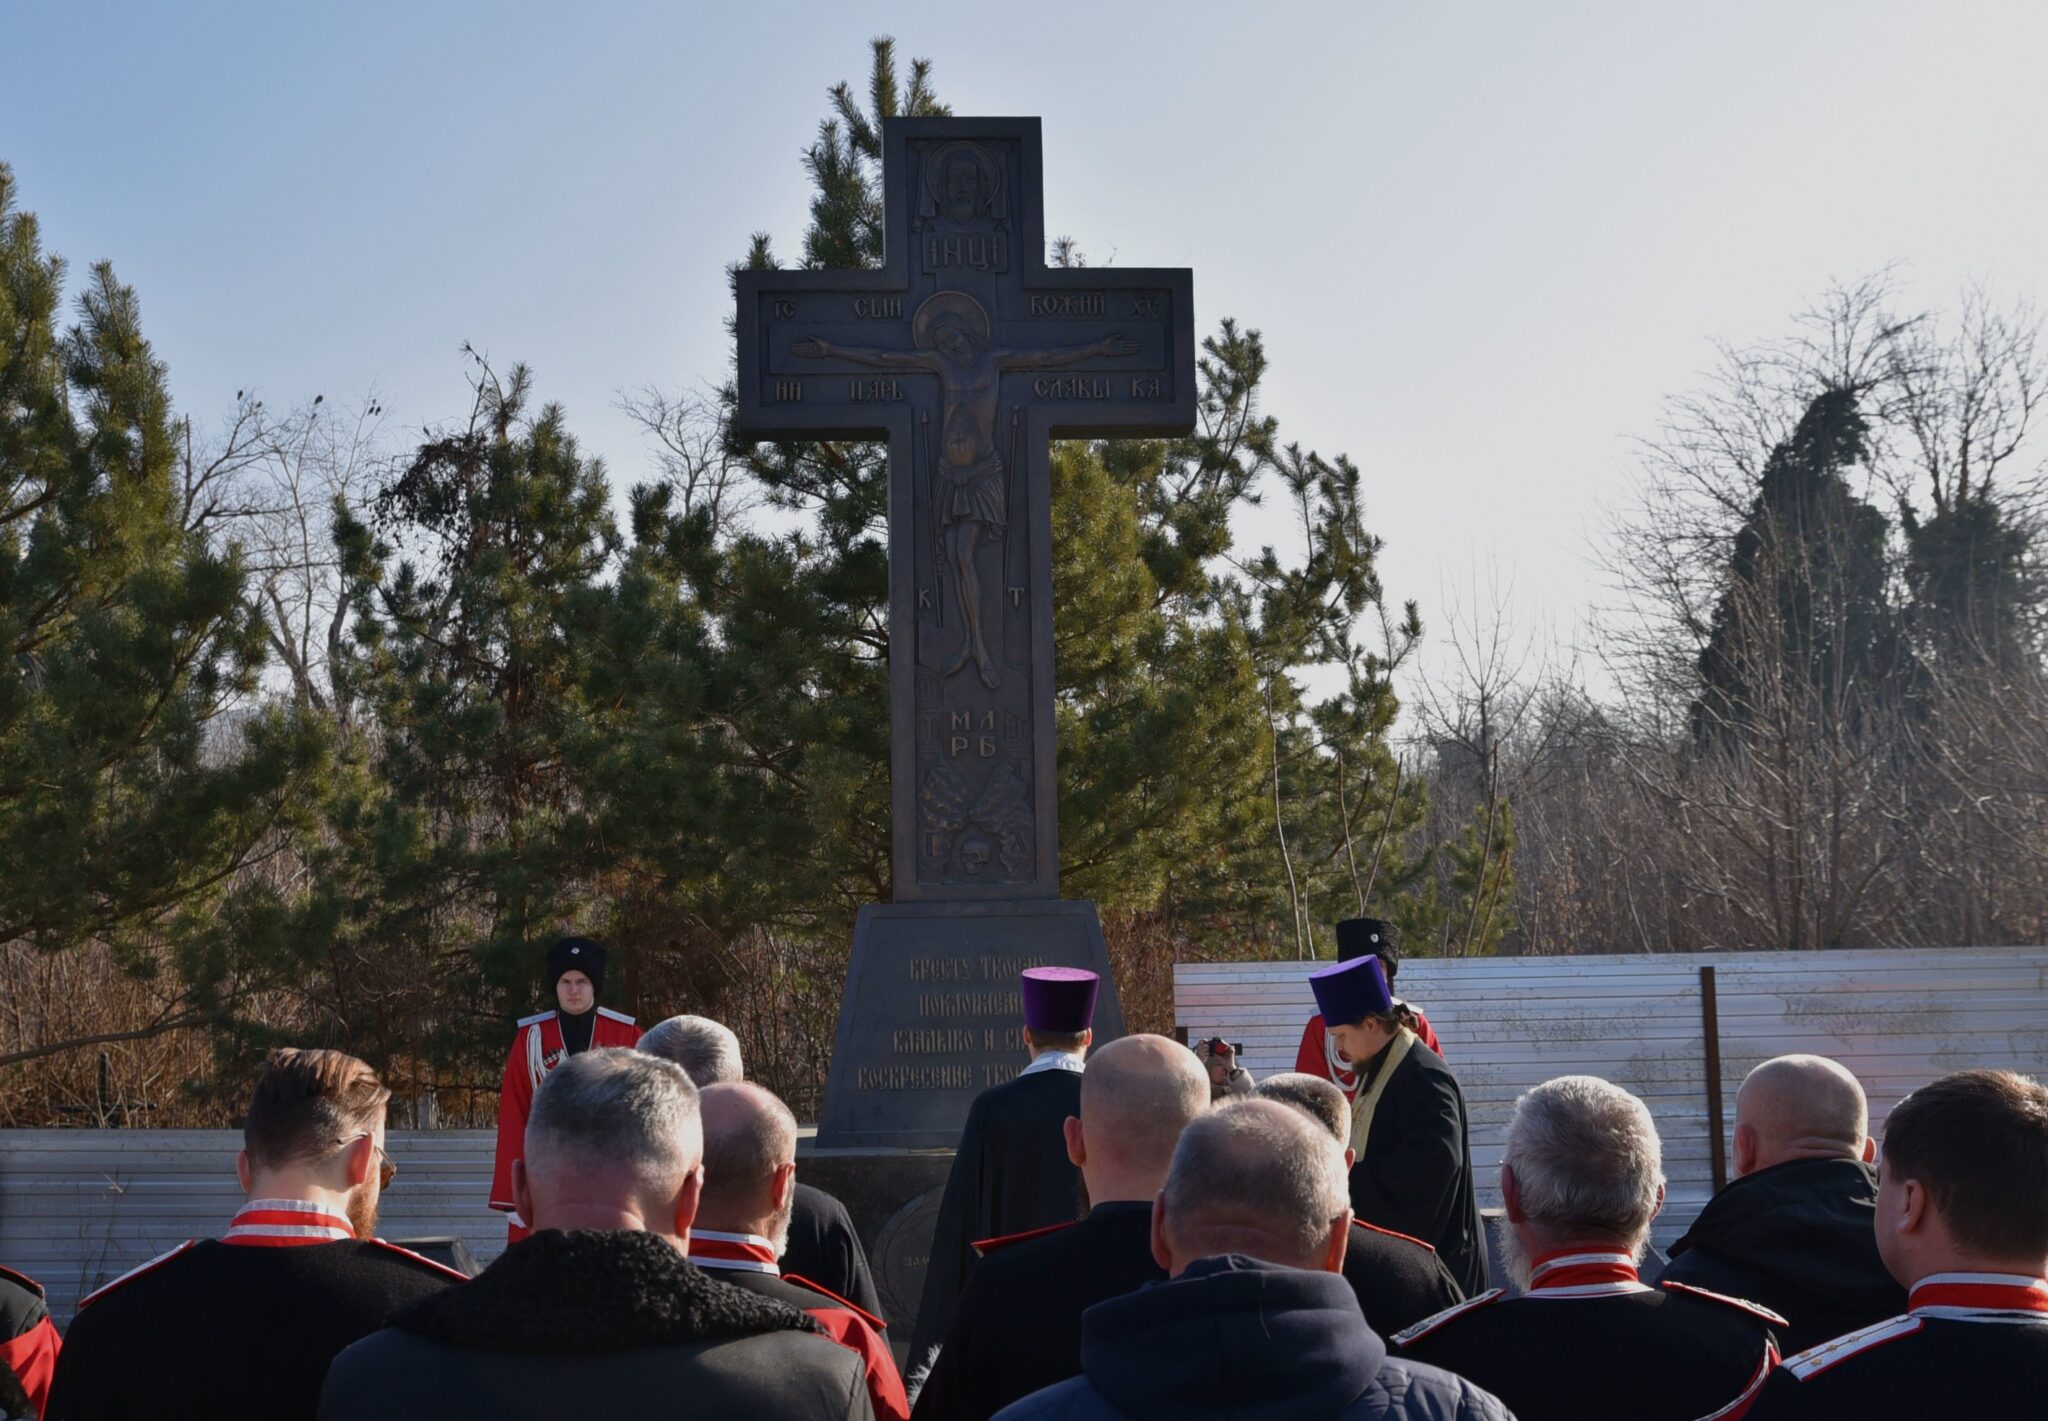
x: 746, y: 1260
x: 1317, y: 1057
x: 536, y: 1050
x: 28, y: 1342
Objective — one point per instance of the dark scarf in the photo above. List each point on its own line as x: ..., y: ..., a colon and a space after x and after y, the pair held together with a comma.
x: 577, y: 1030
x: 589, y: 1291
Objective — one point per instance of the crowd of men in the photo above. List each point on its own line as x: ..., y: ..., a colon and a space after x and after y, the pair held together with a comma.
x: 1205, y: 1255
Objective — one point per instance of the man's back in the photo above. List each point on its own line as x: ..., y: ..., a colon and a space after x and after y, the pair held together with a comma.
x: 217, y: 1329
x: 1988, y: 1356
x: 1011, y: 1174
x: 1018, y: 1326
x: 1625, y: 1352
x: 565, y: 1323
x: 1399, y: 1280
x: 1798, y: 1238
x: 1246, y: 1340
x: 825, y: 1247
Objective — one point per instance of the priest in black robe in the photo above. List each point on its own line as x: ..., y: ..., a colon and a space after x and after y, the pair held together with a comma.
x: 1408, y: 1125
x: 1011, y: 1173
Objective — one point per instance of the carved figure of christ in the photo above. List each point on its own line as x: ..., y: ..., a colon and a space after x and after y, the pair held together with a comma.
x: 952, y: 333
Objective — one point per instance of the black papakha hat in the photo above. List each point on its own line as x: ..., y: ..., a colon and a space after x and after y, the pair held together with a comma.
x: 1368, y: 937
x: 576, y: 954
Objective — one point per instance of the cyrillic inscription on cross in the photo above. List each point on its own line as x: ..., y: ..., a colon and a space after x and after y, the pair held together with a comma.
x: 967, y: 353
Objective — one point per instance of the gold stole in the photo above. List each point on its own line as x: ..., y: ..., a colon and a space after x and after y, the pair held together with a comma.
x: 1369, y: 1100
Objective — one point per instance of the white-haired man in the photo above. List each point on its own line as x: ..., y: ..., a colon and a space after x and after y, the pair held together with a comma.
x: 1793, y: 1229
x: 822, y: 1243
x: 1582, y: 1177
x: 600, y: 1307
x: 1255, y: 1319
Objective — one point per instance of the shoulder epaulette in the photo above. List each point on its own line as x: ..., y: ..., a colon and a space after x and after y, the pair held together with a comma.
x: 1390, y: 1233
x: 1756, y: 1310
x: 411, y: 1257
x: 1409, y: 1335
x: 133, y: 1273
x: 616, y: 1015
x: 1815, y: 1360
x: 984, y: 1247
x: 537, y: 1016
x: 23, y: 1279
x: 855, y: 1308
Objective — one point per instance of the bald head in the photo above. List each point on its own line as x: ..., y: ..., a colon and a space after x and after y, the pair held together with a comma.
x: 749, y: 1160
x: 1137, y: 1095
x: 1799, y: 1107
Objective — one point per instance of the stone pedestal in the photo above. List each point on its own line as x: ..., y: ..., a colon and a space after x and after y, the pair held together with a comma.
x: 934, y: 1013
x: 893, y: 1196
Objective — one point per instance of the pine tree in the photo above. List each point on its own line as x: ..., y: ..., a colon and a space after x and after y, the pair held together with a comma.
x: 138, y: 784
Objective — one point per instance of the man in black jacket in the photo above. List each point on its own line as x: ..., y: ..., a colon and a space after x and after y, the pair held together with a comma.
x: 1253, y: 1323
x: 600, y: 1309
x: 1793, y: 1229
x: 245, y: 1325
x: 1018, y: 1326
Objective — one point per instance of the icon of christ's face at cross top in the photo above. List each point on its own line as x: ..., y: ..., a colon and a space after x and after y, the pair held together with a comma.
x: 951, y: 331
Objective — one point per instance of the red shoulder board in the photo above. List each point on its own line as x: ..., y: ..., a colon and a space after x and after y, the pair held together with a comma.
x: 855, y: 1308
x: 984, y: 1247
x: 1815, y: 1360
x: 23, y: 1279
x: 133, y: 1273
x: 1755, y: 1310
x: 403, y: 1252
x: 1422, y: 1329
x: 1390, y: 1233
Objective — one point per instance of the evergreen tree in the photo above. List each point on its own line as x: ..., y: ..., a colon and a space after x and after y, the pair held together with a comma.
x: 1805, y: 612
x: 138, y: 785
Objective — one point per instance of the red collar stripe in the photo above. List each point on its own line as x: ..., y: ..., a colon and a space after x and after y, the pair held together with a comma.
x: 1978, y: 1294
x: 285, y: 1223
x: 1566, y: 1273
x: 746, y: 1252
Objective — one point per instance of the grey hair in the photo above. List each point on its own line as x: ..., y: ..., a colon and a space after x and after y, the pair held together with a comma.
x: 748, y: 1134
x: 616, y: 1107
x: 705, y: 1048
x: 1586, y: 1157
x: 1259, y: 1167
x: 1315, y: 1097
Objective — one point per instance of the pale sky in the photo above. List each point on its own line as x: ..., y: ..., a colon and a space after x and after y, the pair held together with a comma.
x: 1482, y: 240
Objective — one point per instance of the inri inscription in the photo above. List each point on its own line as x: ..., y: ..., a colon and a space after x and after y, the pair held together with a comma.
x: 968, y: 354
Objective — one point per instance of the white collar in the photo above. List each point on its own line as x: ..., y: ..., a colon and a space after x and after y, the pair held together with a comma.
x: 1055, y: 1061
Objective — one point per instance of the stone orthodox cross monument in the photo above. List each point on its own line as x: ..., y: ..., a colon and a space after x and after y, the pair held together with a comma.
x: 967, y: 354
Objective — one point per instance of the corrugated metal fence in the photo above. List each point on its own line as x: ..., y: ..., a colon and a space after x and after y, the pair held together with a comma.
x: 1896, y: 1018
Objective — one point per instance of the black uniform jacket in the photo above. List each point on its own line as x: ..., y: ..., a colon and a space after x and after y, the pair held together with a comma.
x: 1966, y: 1349
x: 1010, y: 1175
x: 1017, y: 1327
x: 215, y: 1329
x: 824, y: 1248
x: 1399, y: 1280
x: 1796, y: 1237
x: 1605, y: 1349
x: 595, y: 1323
x: 1415, y: 1174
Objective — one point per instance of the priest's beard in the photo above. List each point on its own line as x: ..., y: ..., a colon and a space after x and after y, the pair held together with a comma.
x: 778, y: 1227
x: 362, y: 1209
